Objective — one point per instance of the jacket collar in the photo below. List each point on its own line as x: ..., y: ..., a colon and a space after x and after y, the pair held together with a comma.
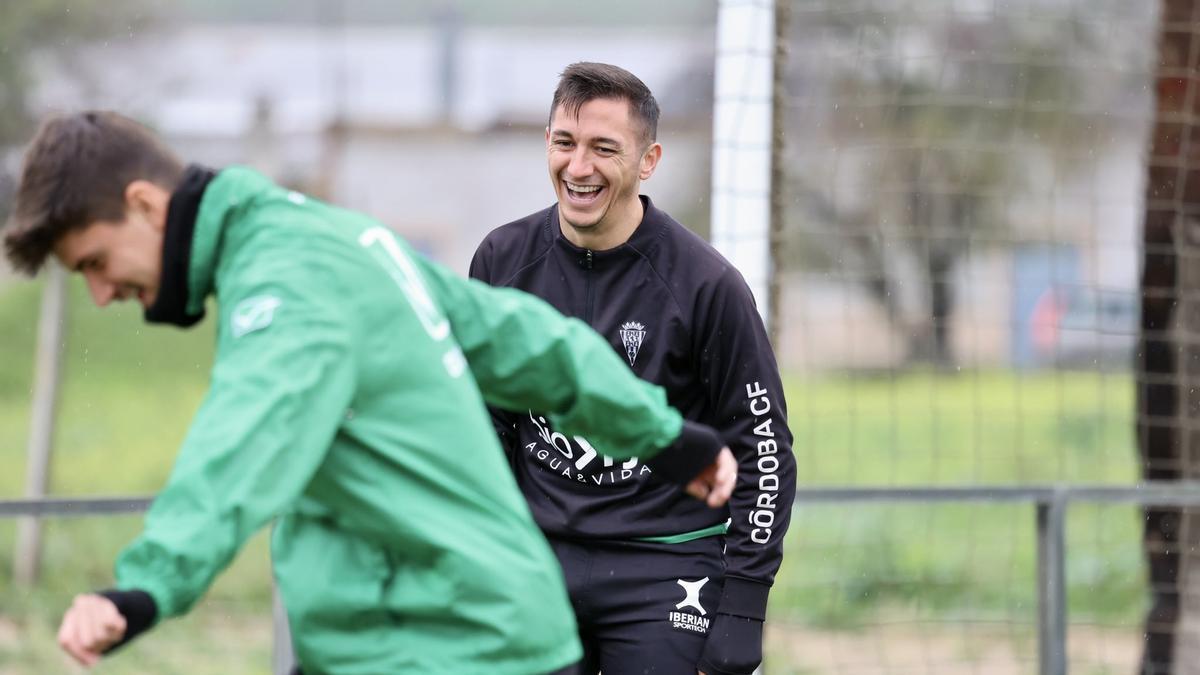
x: 171, y: 303
x: 644, y: 238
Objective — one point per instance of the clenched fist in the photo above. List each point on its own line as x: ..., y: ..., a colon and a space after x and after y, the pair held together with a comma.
x: 90, y: 627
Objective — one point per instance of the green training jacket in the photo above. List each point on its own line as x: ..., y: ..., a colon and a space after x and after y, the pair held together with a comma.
x: 347, y: 402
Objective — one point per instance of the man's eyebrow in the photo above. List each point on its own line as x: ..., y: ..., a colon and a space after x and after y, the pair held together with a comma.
x: 598, y: 139
x: 560, y: 133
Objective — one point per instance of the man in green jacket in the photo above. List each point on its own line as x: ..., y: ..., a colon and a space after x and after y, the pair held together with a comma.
x: 347, y: 404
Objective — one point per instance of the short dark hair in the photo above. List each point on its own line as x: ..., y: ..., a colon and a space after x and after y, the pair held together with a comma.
x: 75, y: 172
x: 583, y: 82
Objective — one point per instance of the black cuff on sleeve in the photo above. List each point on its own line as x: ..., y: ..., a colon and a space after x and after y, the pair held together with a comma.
x: 744, y: 597
x: 137, y: 607
x: 695, y: 449
x: 734, y: 646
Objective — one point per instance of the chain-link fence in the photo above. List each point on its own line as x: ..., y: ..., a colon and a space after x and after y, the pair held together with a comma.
x: 959, y: 189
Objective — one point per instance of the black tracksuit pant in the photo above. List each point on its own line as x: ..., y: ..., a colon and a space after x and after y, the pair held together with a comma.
x: 642, y: 609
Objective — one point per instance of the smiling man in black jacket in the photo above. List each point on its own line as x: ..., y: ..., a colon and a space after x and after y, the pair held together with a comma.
x: 659, y: 583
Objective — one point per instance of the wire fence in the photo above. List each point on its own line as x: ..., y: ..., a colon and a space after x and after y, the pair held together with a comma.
x: 959, y: 190
x: 831, y: 638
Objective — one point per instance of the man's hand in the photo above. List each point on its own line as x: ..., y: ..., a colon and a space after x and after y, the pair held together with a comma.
x: 89, y: 627
x: 715, y: 484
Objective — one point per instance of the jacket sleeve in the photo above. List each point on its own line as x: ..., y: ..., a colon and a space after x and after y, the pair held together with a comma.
x: 737, y: 367
x: 281, y: 382
x: 526, y: 355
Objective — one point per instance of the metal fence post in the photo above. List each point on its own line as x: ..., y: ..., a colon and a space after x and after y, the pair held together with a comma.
x: 28, y: 554
x: 283, y: 660
x: 1052, y: 594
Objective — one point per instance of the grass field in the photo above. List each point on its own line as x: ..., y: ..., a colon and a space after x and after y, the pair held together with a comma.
x: 130, y: 390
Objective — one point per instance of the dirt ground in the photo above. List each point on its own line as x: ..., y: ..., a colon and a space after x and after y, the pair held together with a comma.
x: 9, y: 636
x: 902, y: 648
x: 909, y: 648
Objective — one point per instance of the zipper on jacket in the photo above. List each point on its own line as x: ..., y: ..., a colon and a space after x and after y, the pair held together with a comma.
x: 587, y: 265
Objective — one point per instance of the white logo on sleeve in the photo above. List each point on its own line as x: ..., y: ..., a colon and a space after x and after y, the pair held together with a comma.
x: 253, y: 313
x: 632, y: 334
x: 692, y: 594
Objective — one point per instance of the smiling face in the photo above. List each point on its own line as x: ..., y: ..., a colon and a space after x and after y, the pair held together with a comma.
x: 597, y: 161
x: 122, y: 259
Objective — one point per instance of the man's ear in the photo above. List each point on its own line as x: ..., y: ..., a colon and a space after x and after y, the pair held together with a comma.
x: 148, y: 200
x: 649, y: 162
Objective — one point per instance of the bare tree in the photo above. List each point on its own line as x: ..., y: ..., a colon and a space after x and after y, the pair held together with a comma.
x: 934, y: 147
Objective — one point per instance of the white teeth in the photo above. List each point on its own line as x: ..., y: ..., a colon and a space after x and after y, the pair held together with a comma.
x: 583, y: 188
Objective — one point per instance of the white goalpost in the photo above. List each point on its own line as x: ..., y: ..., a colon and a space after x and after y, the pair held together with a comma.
x: 742, y: 140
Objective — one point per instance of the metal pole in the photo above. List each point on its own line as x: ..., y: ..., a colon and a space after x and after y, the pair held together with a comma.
x: 778, y: 170
x: 283, y: 660
x: 1052, y: 596
x: 67, y: 506
x: 48, y: 366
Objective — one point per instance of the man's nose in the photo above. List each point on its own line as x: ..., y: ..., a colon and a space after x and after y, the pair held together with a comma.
x: 580, y: 165
x: 102, y: 291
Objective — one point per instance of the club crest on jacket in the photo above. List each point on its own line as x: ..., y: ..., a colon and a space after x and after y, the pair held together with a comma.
x: 632, y: 334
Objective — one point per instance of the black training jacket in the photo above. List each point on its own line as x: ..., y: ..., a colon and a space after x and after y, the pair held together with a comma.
x: 683, y: 318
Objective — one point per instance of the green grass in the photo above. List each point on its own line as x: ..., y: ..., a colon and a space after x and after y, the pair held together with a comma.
x: 128, y: 393
x: 130, y: 390
x: 848, y: 564
x: 967, y: 428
